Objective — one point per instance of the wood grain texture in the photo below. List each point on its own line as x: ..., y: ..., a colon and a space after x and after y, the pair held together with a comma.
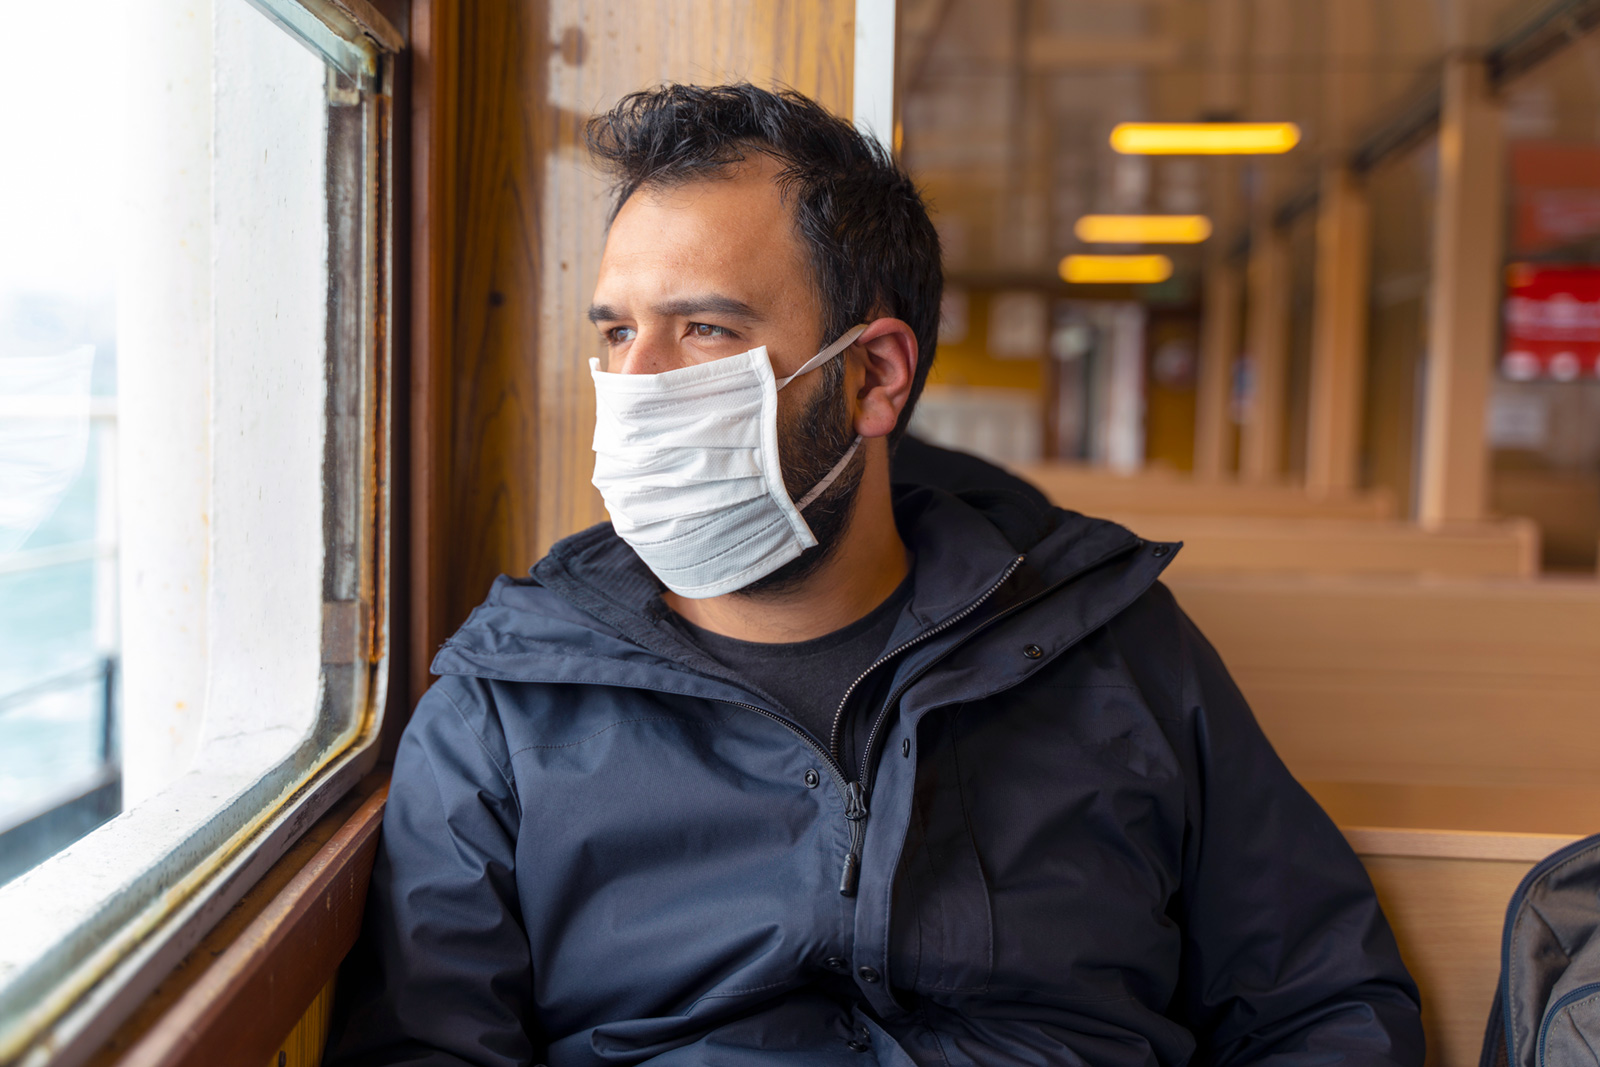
x: 1387, y: 680
x: 1257, y: 545
x: 508, y: 226
x: 1453, y: 844
x: 1447, y: 916
x: 243, y: 988
x: 1154, y: 491
x: 304, y: 1045
x: 1490, y: 810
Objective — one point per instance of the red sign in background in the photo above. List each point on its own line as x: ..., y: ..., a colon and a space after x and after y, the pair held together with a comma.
x: 1552, y: 322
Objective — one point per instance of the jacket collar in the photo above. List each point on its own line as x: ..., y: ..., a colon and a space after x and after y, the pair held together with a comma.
x: 592, y: 611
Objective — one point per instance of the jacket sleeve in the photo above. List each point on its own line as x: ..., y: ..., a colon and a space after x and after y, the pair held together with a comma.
x: 441, y: 975
x: 1288, y: 960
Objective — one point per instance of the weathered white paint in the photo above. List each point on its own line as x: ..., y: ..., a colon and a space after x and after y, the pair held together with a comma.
x: 164, y: 377
x: 269, y: 299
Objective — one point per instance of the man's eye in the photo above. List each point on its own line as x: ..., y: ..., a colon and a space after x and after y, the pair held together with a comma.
x: 620, y: 334
x: 705, y: 329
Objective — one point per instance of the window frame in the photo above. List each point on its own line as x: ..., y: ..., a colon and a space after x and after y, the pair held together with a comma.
x: 63, y: 1004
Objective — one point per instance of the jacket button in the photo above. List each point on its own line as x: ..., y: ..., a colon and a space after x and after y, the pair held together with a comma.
x: 856, y: 1046
x: 868, y: 974
x: 905, y: 748
x: 1159, y: 551
x: 836, y: 963
x: 811, y: 779
x: 1032, y: 651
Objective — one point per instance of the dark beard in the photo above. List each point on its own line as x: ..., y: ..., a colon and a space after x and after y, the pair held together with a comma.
x: 807, y: 451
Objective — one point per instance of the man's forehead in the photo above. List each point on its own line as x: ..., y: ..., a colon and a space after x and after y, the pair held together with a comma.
x: 740, y: 208
x: 729, y: 237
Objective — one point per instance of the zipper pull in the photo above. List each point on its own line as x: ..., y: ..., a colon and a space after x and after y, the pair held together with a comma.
x: 850, y: 876
x: 855, y: 809
x: 855, y: 803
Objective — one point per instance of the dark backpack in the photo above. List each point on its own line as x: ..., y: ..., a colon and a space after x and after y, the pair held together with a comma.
x: 1547, y: 1010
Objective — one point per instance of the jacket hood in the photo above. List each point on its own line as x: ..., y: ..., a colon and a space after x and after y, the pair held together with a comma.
x: 591, y: 611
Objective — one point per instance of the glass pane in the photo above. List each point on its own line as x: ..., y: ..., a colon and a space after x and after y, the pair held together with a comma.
x: 58, y: 440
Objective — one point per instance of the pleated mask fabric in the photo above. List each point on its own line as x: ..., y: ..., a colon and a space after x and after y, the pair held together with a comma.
x: 687, y: 462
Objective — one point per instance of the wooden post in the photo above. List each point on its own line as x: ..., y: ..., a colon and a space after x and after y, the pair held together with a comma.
x: 1268, y: 275
x: 1465, y: 300
x: 1339, y: 334
x: 1219, y: 346
x: 1267, y: 346
x: 1344, y: 260
x: 1219, y: 316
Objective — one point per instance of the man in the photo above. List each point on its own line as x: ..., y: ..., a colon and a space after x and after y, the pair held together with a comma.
x: 789, y: 766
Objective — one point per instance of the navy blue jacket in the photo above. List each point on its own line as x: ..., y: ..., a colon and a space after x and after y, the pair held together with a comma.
x: 1060, y: 835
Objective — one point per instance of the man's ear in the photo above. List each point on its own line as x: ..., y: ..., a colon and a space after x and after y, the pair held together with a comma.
x: 886, y: 352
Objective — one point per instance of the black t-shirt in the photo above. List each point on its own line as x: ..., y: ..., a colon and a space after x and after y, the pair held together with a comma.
x: 809, y: 677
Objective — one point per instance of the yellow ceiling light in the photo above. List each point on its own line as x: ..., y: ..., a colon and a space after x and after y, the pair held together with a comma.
x: 1142, y: 229
x: 1204, y: 138
x: 1102, y: 269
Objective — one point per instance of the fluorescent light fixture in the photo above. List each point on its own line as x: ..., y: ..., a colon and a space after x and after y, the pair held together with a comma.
x: 1204, y: 138
x: 1098, y: 269
x: 1143, y: 229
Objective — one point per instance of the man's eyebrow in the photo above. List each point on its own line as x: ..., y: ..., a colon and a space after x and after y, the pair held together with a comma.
x: 684, y: 308
x: 709, y: 303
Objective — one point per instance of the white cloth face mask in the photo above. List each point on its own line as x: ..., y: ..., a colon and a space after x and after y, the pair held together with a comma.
x: 687, y: 461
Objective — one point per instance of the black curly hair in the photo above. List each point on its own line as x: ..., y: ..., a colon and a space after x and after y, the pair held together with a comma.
x: 872, y: 246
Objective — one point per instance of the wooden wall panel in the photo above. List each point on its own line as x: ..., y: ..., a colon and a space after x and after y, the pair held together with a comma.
x: 507, y: 229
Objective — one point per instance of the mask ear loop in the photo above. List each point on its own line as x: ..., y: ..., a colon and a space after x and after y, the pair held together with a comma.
x: 829, y: 478
x: 845, y: 340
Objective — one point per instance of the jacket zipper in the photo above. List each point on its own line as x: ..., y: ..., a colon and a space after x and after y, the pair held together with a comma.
x: 857, y: 790
x: 856, y: 798
x: 1580, y: 993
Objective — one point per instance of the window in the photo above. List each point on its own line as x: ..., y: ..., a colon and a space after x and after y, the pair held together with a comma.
x: 193, y: 470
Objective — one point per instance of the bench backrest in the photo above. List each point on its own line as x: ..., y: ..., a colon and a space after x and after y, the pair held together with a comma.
x: 1098, y: 491
x: 1414, y: 681
x: 1232, y: 545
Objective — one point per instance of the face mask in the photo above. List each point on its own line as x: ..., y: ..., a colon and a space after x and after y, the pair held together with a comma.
x: 687, y: 461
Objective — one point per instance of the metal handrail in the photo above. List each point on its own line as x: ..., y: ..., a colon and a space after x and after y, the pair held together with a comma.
x: 105, y: 671
x: 59, y: 406
x: 85, y: 673
x: 34, y: 559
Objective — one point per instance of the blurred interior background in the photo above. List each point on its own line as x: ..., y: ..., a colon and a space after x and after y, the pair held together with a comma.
x: 1290, y: 347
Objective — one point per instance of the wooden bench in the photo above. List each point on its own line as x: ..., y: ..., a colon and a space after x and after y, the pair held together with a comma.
x: 1158, y: 491
x: 1222, y: 545
x: 1445, y: 861
x: 1451, y: 729
x: 1425, y: 682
